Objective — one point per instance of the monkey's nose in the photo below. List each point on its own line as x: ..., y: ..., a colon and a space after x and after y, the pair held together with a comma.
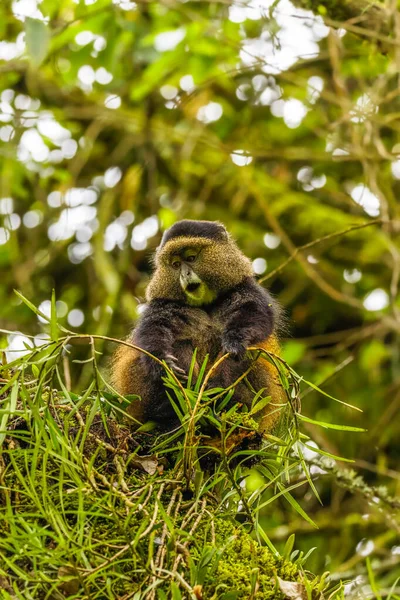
x: 186, y: 271
x: 188, y: 277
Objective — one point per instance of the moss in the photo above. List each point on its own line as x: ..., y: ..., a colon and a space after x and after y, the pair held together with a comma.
x: 243, y: 560
x: 245, y: 420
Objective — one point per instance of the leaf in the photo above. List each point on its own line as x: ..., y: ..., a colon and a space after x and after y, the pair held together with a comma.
x: 392, y: 589
x: 329, y: 425
x: 174, y: 405
x: 260, y: 405
x: 267, y: 541
x: 198, y: 481
x: 372, y: 581
x: 288, y: 547
x: 297, y: 506
x: 176, y: 595
x: 292, y: 590
x: 10, y: 411
x: 191, y: 370
x: 328, y: 454
x: 30, y: 305
x: 53, y: 318
x: 286, y: 493
x: 274, y: 439
x: 225, y: 401
x: 257, y: 397
x: 37, y: 40
x: 317, y: 389
x: 308, y: 474
x: 201, y: 374
x: 254, y: 575
x: 148, y: 464
x: 146, y: 427
x: 230, y: 595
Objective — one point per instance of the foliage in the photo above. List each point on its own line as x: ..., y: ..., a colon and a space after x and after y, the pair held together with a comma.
x: 89, y: 506
x: 118, y: 118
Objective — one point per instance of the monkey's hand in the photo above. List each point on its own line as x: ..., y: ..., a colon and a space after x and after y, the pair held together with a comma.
x: 172, y: 362
x: 156, y: 370
x: 234, y: 346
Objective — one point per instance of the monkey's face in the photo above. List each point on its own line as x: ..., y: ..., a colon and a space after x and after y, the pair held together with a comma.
x: 188, y: 263
x: 194, y: 268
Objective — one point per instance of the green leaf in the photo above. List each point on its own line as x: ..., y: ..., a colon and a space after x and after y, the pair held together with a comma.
x: 275, y: 440
x: 328, y: 454
x: 233, y: 595
x: 198, y: 481
x: 192, y: 366
x: 37, y: 40
x: 224, y: 402
x: 146, y: 427
x: 297, y: 506
x: 267, y: 541
x: 8, y: 412
x: 260, y: 405
x: 31, y: 306
x: 201, y: 374
x: 315, y: 387
x: 392, y: 589
x: 329, y: 425
x: 372, y: 580
x: 176, y: 595
x: 288, y: 547
x: 53, y: 318
x: 254, y: 574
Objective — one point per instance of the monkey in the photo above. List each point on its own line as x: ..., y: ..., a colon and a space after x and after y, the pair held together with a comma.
x: 203, y: 295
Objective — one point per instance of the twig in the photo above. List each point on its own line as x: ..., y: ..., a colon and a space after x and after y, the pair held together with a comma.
x: 155, y: 513
x: 313, y: 243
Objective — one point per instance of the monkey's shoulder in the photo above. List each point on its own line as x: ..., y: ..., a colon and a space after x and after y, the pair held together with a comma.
x: 247, y: 291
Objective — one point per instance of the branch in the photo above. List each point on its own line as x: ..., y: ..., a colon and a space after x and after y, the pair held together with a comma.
x: 362, y: 16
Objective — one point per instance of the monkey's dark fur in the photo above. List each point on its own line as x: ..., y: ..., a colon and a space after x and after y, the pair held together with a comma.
x: 216, y: 306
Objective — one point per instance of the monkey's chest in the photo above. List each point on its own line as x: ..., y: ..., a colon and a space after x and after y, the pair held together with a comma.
x: 201, y: 332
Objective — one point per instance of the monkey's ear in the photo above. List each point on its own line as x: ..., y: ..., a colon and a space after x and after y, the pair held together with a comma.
x: 223, y: 231
x: 153, y: 258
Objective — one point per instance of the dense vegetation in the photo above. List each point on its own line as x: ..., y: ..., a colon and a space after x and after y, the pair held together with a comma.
x: 116, y: 119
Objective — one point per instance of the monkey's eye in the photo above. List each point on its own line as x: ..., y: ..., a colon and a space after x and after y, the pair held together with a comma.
x: 176, y: 264
x: 191, y: 258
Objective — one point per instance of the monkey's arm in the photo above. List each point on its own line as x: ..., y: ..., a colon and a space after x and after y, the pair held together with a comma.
x: 249, y: 316
x: 156, y: 332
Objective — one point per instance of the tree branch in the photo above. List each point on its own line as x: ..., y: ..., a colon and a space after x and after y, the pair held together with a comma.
x: 361, y: 15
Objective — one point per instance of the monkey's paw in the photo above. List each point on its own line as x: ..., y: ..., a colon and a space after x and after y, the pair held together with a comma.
x: 236, y: 349
x: 172, y: 362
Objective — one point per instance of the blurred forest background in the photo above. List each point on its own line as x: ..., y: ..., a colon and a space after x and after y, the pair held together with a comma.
x: 280, y: 119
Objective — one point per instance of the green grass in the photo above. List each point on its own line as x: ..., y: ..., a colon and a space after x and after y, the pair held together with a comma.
x: 93, y: 507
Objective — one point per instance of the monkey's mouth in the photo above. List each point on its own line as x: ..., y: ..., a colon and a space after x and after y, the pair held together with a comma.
x: 193, y: 287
